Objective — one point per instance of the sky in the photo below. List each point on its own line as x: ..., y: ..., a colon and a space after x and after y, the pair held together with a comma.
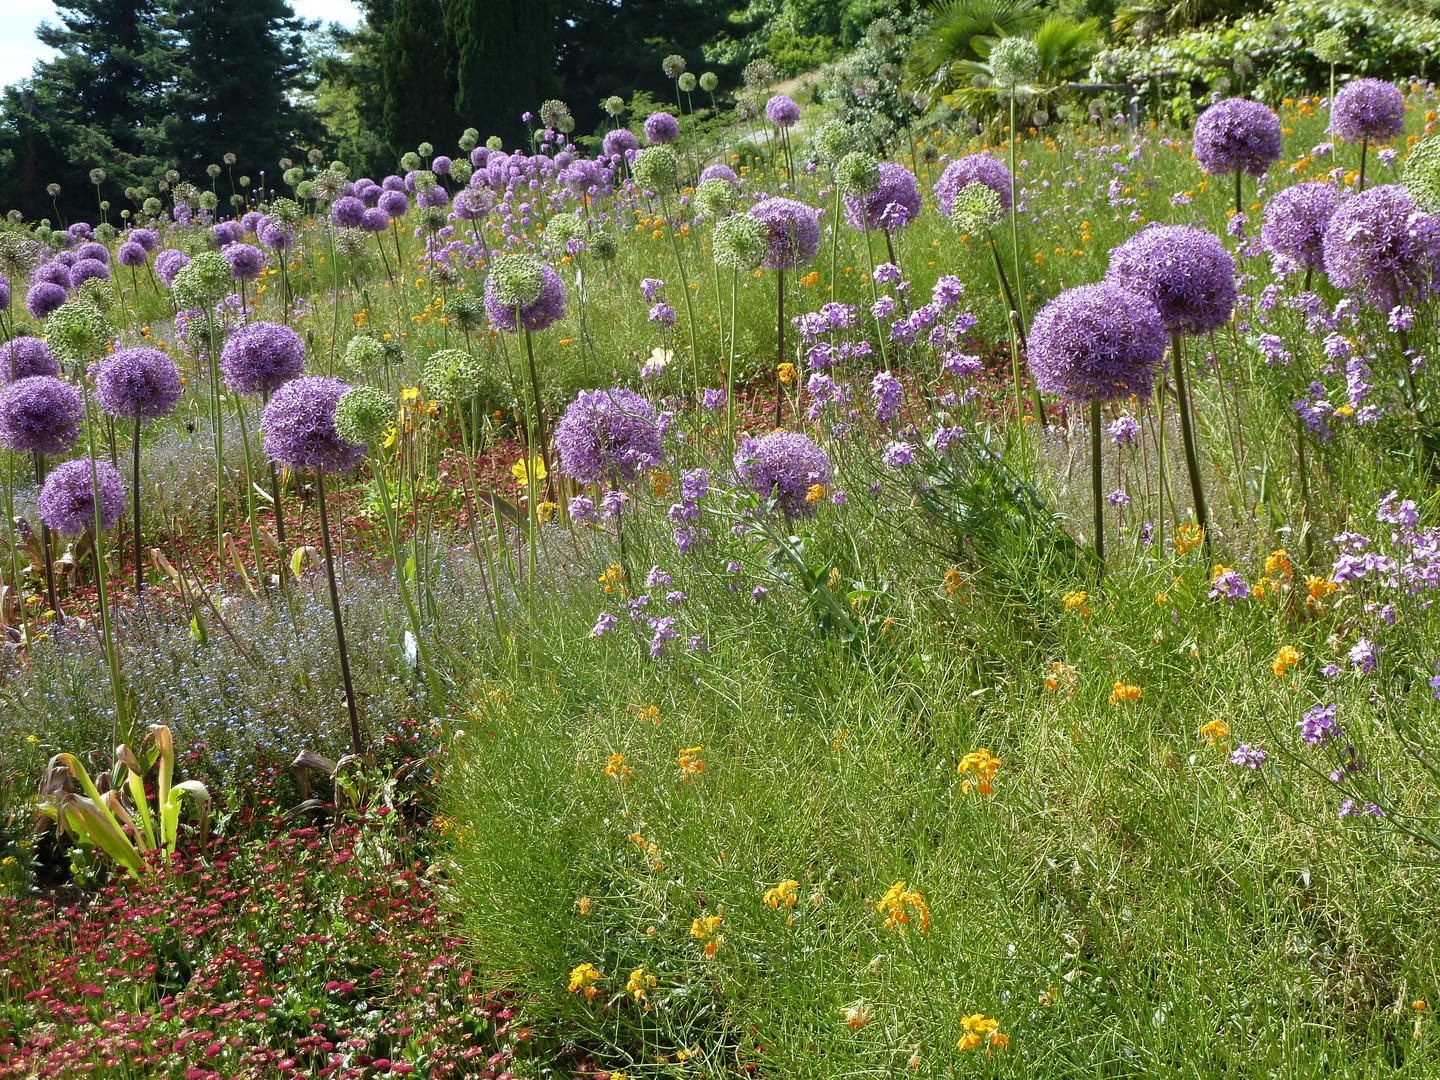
x: 20, y: 49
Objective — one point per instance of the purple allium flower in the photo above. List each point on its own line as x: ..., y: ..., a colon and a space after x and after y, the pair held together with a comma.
x: 375, y: 220
x: 299, y: 427
x: 393, y: 203
x: 1367, y: 110
x: 43, y: 298
x: 1247, y: 756
x: 246, y: 261
x: 435, y: 195
x: 86, y: 269
x: 40, y: 414
x: 67, y: 259
x: 1097, y: 343
x: 67, y: 501
x: 898, y: 454
x: 661, y: 127
x: 1317, y: 725
x: 605, y: 622
x: 261, y: 357
x: 1184, y: 271
x: 169, y: 263
x: 782, y: 111
x: 346, y: 211
x: 130, y: 254
x: 719, y: 172
x: 608, y: 433
x: 472, y: 204
x: 784, y: 464
x: 972, y: 169
x: 93, y: 250
x: 1295, y: 221
x: 54, y: 271
x: 547, y: 309
x: 440, y: 166
x: 1380, y: 243
x: 892, y: 204
x: 1124, y: 430
x: 1237, y: 135
x: 1363, y: 655
x: 225, y: 232
x: 138, y: 382
x: 22, y: 357
x: 616, y: 143
x: 794, y: 232
x: 148, y: 239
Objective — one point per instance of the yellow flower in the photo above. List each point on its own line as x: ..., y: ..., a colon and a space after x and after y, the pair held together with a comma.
x: 998, y: 1041
x: 585, y: 979
x: 521, y: 477
x: 616, y: 768
x: 1121, y: 694
x: 953, y: 580
x: 1278, y: 564
x: 704, y: 930
x: 639, y: 983
x: 984, y: 766
x: 815, y: 493
x: 1187, y: 538
x: 1162, y: 598
x: 584, y: 905
x: 1318, y: 587
x: 968, y: 1041
x: 660, y: 357
x: 1061, y: 674
x: 1215, y: 731
x: 786, y: 373
x: 895, y: 905
x: 1285, y: 659
x: 1075, y: 599
x: 784, y: 893
x: 689, y: 760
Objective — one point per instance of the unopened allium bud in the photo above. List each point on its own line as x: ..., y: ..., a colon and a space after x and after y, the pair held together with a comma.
x: 686, y: 82
x: 461, y: 171
x: 469, y: 139
x: 1014, y: 60
x: 566, y: 125
x: 494, y: 142
x: 673, y: 66
x: 363, y: 415
x: 452, y: 375
x: 614, y: 105
x: 97, y: 176
x: 976, y: 210
x: 655, y: 167
x: 362, y: 351
x: 305, y: 190
x: 741, y: 242
x: 236, y: 201
x: 516, y: 280
x: 410, y: 161
x: 467, y: 312
x: 244, y: 181
x: 856, y: 174
x: 1331, y: 46
x: 709, y: 81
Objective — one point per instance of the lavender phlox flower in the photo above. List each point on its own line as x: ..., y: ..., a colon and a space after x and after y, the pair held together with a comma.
x: 1392, y: 510
x: 664, y: 628
x: 1364, y: 656
x: 1229, y: 586
x: 1317, y: 725
x: 1118, y: 497
x: 712, y: 400
x: 656, y: 577
x: 605, y: 622
x: 888, y: 395
x: 582, y: 510
x: 1247, y: 756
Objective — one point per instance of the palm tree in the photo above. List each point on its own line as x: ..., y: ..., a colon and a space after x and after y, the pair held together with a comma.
x: 957, y: 32
x: 1065, y: 46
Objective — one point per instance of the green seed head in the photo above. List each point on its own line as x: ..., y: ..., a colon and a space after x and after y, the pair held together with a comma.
x: 655, y: 168
x: 857, y: 174
x: 741, y: 242
x: 516, y: 280
x: 977, y: 209
x: 363, y: 415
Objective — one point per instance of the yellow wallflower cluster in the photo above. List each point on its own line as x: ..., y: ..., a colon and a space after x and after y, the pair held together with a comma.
x: 1061, y: 676
x: 689, y: 760
x: 895, y: 905
x: 705, y: 930
x: 784, y: 893
x: 1215, y: 731
x: 980, y: 1028
x: 1187, y: 538
x: 639, y: 984
x: 649, y: 849
x: 815, y: 493
x: 1123, y: 694
x: 616, y: 768
x: 786, y: 373
x: 585, y: 979
x: 1075, y: 600
x: 983, y: 766
x: 614, y: 574
x: 1285, y: 659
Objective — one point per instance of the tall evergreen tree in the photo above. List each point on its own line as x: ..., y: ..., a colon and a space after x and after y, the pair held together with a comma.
x: 417, y: 67
x: 506, y: 54
x: 242, y: 61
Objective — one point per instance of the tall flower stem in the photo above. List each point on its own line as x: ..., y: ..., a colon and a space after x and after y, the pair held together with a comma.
x: 392, y: 532
x: 217, y: 426
x: 1015, y: 220
x: 119, y: 720
x: 355, y: 744
x: 834, y: 233
x: 45, y: 545
x: 541, y: 431
x: 779, y: 338
x: 1097, y: 484
x: 1019, y: 328
x: 1364, y: 145
x: 689, y: 300
x: 875, y: 295
x: 1187, y: 434
x: 1239, y: 207
x: 135, y: 500
x: 14, y: 550
x: 730, y: 363
x: 249, y: 489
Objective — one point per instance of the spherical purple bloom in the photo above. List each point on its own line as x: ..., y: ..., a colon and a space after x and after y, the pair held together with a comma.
x: 441, y: 165
x: 81, y: 230
x: 261, y: 357
x: 86, y: 269
x: 273, y: 236
x: 393, y: 183
x: 608, y: 433
x: 4, y: 293
x: 782, y: 111
x: 93, y: 250
x: 148, y: 239
x: 67, y: 501
x: 661, y: 127
x: 479, y: 156
x: 394, y: 203
x: 785, y: 464
x: 1237, y: 135
x: 719, y: 172
x: 580, y: 176
x: 892, y: 204
x: 547, y: 309
x: 67, y: 259
x: 22, y: 357
x: 55, y: 272
x: 367, y: 191
x: 434, y: 195
x: 1097, y: 343
x: 130, y: 254
x: 299, y: 427
x: 246, y: 261
x: 225, y: 233
x: 1380, y: 243
x: 1367, y: 110
x: 472, y: 204
x: 43, y: 298
x: 1295, y: 221
x: 1184, y: 271
x: 375, y: 220
x: 346, y: 211
x: 169, y: 263
x: 972, y: 169
x: 138, y: 382
x: 251, y: 221
x: 40, y: 415
x: 617, y: 142
x: 794, y: 232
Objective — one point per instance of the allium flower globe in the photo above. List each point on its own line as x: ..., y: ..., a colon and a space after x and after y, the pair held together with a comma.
x: 363, y: 415
x: 298, y: 427
x: 794, y: 232
x: 245, y: 261
x: 616, y: 143
x: 1237, y: 135
x: 1097, y: 343
x: 782, y: 111
x: 546, y: 309
x: 1184, y: 271
x: 1380, y: 243
x: 138, y: 383
x: 741, y: 242
x: 1295, y: 222
x: 972, y: 169
x: 892, y: 204
x: 346, y: 212
x: 261, y: 357
x: 169, y: 263
x: 608, y: 434
x: 719, y: 172
x: 44, y: 298
x: 785, y: 464
x: 23, y: 357
x: 130, y: 254
x: 67, y: 501
x: 40, y: 415
x: 660, y: 128
x: 1367, y: 110
x: 86, y: 269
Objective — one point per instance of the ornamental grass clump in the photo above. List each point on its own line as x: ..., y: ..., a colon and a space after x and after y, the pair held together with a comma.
x: 1094, y: 344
